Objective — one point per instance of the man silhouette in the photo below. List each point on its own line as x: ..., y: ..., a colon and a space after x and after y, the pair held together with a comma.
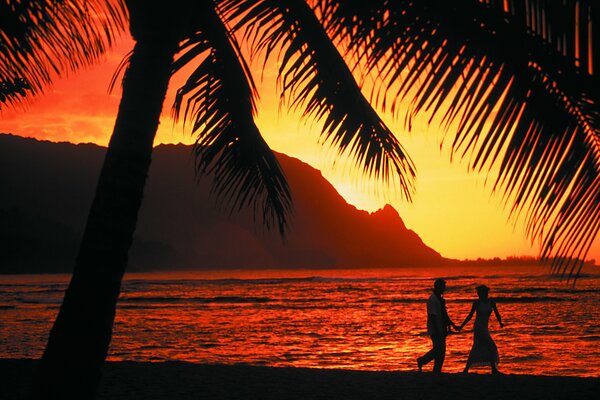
x: 438, y: 326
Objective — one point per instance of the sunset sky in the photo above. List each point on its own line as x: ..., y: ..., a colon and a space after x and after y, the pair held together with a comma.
x: 453, y: 211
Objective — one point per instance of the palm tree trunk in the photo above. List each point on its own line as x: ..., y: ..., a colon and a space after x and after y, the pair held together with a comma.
x: 79, y: 340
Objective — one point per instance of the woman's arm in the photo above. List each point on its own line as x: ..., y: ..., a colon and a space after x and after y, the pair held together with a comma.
x: 497, y: 314
x: 473, y: 308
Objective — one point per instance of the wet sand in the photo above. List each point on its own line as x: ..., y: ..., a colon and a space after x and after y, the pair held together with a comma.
x: 178, y: 380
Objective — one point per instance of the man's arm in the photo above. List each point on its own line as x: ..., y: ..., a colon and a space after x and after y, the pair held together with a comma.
x: 447, y: 319
x: 437, y: 327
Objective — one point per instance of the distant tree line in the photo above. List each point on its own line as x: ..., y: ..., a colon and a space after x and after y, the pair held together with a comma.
x: 516, y: 260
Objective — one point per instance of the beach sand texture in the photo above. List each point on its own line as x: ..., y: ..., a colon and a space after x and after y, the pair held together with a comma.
x: 179, y: 380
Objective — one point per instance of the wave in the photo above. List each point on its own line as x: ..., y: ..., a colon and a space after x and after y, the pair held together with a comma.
x: 320, y: 302
x: 44, y: 300
x: 286, y: 281
x: 532, y: 357
x: 588, y: 275
x: 53, y: 286
x: 250, y: 281
x: 591, y: 338
x: 33, y: 292
x: 244, y: 281
x: 217, y: 299
x: 501, y: 299
x: 533, y: 299
x: 545, y: 289
x: 142, y: 283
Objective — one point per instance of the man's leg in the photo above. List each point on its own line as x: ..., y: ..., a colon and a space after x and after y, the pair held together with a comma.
x: 430, y: 355
x: 439, y: 348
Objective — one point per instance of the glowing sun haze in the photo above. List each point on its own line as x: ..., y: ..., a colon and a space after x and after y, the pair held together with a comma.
x: 453, y: 211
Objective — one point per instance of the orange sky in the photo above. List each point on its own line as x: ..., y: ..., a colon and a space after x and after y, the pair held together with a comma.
x: 453, y: 211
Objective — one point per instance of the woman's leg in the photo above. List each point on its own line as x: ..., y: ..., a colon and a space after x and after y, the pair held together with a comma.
x: 495, y: 369
x: 467, y: 366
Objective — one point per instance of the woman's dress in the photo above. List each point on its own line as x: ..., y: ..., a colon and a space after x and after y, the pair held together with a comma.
x: 484, y: 350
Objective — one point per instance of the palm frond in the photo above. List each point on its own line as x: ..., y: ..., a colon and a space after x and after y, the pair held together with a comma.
x: 11, y: 91
x: 519, y: 81
x: 42, y: 39
x: 219, y: 98
x: 315, y: 77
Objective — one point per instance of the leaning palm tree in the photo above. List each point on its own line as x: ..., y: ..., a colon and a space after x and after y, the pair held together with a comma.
x: 42, y: 39
x: 219, y: 97
x: 544, y: 133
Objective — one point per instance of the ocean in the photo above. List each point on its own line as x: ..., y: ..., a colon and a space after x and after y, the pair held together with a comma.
x: 350, y: 319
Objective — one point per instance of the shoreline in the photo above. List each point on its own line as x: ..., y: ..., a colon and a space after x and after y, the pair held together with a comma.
x: 183, y: 380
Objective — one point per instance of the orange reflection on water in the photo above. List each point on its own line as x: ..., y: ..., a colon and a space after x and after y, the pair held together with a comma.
x: 371, y: 320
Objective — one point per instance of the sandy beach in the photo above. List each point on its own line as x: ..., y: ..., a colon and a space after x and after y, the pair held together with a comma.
x: 178, y: 380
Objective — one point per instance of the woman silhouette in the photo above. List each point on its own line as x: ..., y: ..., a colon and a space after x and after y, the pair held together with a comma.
x: 484, y: 350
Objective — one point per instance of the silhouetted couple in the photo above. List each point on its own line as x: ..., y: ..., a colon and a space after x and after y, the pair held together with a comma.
x: 439, y: 324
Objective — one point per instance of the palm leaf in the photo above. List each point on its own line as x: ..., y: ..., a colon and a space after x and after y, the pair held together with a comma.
x: 315, y: 77
x: 519, y: 81
x: 12, y: 91
x: 42, y: 39
x: 219, y: 99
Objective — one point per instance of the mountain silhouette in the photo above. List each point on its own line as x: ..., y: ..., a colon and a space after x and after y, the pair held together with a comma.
x: 47, y: 189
